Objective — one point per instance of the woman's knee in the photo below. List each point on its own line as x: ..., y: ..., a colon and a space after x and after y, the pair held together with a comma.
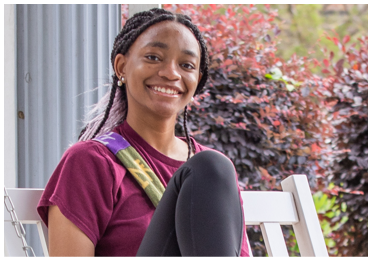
x: 212, y: 165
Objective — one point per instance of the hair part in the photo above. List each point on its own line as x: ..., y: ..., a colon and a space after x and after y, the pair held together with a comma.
x: 112, y: 109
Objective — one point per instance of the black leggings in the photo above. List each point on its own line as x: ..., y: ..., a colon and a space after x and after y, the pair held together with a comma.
x: 200, y: 212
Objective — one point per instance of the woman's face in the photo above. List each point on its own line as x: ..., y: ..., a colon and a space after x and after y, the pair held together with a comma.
x: 161, y: 70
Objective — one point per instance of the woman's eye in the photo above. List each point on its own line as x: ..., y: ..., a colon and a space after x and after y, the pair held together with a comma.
x: 188, y: 66
x: 153, y: 57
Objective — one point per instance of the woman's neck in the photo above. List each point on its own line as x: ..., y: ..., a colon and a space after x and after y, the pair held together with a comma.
x: 160, y: 134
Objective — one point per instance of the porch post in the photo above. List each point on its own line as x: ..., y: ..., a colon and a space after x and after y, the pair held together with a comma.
x: 10, y: 98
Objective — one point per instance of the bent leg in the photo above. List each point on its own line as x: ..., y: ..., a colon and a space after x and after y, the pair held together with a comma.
x: 200, y: 212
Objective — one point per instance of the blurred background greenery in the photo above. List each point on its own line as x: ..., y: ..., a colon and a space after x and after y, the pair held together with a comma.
x: 303, y: 25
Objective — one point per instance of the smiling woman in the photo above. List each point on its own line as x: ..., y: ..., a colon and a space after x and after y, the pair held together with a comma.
x: 130, y: 186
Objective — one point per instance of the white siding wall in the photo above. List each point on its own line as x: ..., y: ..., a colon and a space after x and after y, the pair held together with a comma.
x: 63, y: 53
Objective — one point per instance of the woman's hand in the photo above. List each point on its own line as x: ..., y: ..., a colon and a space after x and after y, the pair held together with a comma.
x: 65, y: 238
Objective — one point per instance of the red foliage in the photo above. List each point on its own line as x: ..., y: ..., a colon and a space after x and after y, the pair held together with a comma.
x: 347, y: 100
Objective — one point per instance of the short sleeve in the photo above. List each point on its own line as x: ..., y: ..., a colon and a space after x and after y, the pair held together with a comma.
x: 82, y: 187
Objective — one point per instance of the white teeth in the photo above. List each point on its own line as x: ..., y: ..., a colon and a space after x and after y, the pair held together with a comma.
x: 163, y: 90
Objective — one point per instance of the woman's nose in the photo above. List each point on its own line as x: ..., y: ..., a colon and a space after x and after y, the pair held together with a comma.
x: 170, y: 71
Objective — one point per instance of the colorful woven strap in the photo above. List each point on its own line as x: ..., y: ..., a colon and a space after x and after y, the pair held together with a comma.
x: 135, y: 164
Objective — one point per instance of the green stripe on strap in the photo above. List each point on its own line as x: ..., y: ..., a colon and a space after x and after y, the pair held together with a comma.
x: 135, y: 164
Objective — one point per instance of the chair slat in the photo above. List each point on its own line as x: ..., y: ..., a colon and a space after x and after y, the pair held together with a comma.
x: 269, y: 206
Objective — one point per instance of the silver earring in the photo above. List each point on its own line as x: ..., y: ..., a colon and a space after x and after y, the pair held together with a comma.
x: 192, y: 99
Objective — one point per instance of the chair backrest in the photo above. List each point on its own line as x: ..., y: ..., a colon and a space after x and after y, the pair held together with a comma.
x: 25, y: 202
x: 293, y: 206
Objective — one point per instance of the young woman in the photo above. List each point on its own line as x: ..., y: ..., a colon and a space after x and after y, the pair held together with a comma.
x: 93, y: 205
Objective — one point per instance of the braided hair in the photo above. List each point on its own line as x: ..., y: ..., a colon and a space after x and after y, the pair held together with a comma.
x: 116, y: 99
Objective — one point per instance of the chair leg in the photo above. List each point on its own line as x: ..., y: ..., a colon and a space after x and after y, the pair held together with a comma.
x: 43, y: 234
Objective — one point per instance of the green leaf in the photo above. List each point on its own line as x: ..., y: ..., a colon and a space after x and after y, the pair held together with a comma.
x: 326, y: 227
x: 344, y: 219
x: 330, y: 214
x: 323, y: 201
x: 330, y: 242
x: 343, y: 206
x: 333, y: 200
x: 268, y: 76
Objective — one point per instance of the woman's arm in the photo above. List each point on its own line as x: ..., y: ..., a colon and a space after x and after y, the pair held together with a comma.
x: 65, y: 238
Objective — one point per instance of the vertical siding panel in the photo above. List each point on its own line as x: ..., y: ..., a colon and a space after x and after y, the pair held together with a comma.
x: 21, y: 49
x: 90, y: 54
x: 59, y: 60
x: 41, y: 87
x: 76, y: 56
x: 102, y: 58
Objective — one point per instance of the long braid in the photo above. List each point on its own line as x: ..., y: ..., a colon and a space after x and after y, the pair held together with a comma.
x: 116, y: 101
x: 107, y: 111
x: 83, y: 131
x: 189, y: 143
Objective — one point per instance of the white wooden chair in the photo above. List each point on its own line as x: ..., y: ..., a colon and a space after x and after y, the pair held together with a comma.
x: 269, y: 209
x: 294, y: 206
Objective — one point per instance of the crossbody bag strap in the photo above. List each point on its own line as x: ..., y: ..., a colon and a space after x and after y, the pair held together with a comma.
x: 135, y: 164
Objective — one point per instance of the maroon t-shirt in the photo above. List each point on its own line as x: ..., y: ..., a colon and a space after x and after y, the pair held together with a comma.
x: 94, y: 191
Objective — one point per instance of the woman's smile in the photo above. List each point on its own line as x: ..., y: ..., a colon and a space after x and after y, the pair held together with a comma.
x: 166, y: 91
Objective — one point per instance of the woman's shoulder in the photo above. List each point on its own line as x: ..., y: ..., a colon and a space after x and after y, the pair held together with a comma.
x: 89, y: 159
x: 87, y: 147
x: 88, y: 151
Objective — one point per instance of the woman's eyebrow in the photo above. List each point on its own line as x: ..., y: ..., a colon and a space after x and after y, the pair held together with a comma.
x: 165, y: 46
x: 191, y: 53
x: 157, y: 44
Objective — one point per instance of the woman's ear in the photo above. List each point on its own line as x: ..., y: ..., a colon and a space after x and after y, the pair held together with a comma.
x: 119, y: 65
